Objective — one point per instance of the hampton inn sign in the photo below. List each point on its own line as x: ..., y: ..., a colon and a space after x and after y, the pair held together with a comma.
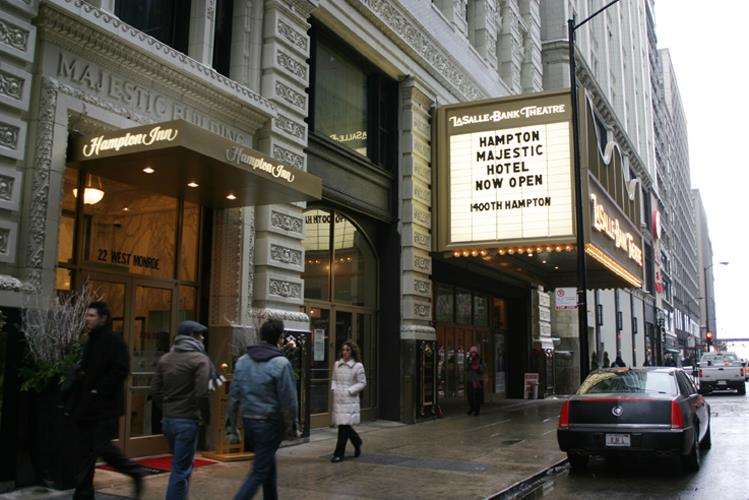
x: 505, y: 190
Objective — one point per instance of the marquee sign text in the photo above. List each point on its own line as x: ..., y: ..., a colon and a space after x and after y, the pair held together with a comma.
x: 611, y: 227
x: 157, y: 134
x: 240, y: 156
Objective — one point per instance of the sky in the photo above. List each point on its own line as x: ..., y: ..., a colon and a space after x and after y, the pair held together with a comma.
x: 708, y: 43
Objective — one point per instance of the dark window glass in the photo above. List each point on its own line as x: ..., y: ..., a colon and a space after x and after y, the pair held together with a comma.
x: 480, y: 311
x: 444, y: 304
x: 463, y: 307
x: 340, y: 99
x: 354, y: 265
x: 317, y: 254
x: 222, y: 36
x: 354, y: 104
x: 166, y: 20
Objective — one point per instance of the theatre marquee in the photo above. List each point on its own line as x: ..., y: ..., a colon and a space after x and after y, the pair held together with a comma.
x: 504, y: 173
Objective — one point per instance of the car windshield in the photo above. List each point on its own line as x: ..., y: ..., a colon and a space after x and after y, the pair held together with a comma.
x: 718, y: 359
x: 629, y: 381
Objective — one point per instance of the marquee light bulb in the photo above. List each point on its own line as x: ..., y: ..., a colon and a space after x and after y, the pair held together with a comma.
x: 192, y: 184
x: 231, y: 196
x: 149, y: 170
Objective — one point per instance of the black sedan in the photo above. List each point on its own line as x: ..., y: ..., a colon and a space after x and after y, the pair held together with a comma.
x: 623, y: 411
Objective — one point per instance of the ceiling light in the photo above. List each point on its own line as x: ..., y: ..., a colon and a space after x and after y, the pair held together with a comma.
x: 91, y: 196
x: 149, y: 170
x: 125, y: 209
x: 231, y: 196
x: 543, y: 262
x: 192, y: 184
x: 556, y: 268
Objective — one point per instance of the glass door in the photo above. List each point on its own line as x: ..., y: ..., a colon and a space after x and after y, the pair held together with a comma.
x: 152, y: 330
x: 321, y: 366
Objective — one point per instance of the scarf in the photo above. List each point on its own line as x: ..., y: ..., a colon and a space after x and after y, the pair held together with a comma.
x: 186, y: 343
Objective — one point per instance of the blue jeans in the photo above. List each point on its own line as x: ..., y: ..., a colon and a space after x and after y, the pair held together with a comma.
x: 182, y: 434
x: 266, y: 435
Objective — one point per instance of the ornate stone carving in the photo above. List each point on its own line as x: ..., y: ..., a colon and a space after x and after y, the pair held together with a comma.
x: 13, y: 36
x: 422, y: 310
x: 422, y: 263
x: 9, y: 136
x: 292, y: 35
x: 13, y: 284
x: 4, y: 239
x: 392, y: 17
x: 36, y: 225
x: 422, y: 239
x: 286, y: 289
x: 290, y: 95
x: 6, y: 187
x: 290, y: 126
x: 10, y: 85
x: 267, y: 313
x: 286, y: 222
x: 286, y: 255
x: 286, y: 156
x: 289, y: 63
x: 423, y: 287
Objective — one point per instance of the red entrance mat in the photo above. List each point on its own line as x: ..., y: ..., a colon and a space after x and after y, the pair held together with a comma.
x: 162, y: 464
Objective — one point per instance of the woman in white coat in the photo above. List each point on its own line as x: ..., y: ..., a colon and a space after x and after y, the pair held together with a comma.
x: 348, y: 382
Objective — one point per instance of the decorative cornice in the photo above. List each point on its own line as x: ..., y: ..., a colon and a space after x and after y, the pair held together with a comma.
x: 13, y: 284
x: 76, y: 23
x: 396, y: 21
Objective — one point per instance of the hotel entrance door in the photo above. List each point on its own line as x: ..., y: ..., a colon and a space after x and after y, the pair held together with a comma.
x: 146, y: 313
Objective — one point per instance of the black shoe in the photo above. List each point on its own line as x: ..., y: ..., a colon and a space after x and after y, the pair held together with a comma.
x: 138, y: 485
x: 336, y: 459
x: 357, y: 448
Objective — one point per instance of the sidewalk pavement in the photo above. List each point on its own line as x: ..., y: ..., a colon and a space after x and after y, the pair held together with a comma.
x: 458, y: 456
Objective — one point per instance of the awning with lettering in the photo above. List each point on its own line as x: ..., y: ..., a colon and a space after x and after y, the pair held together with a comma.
x: 177, y: 158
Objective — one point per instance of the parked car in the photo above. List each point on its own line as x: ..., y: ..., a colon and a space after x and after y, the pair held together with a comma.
x: 631, y: 411
x: 721, y: 370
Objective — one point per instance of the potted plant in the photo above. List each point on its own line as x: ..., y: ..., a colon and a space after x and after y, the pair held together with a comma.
x: 52, y: 328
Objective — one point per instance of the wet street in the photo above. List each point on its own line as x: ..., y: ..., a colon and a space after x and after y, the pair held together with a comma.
x: 724, y: 473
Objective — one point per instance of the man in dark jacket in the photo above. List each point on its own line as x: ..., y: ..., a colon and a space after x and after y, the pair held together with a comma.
x: 265, y: 389
x: 181, y: 387
x: 99, y: 400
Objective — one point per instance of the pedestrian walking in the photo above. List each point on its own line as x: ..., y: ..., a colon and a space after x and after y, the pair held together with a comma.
x: 265, y: 390
x: 97, y: 401
x: 348, y: 382
x: 619, y: 362
x: 594, y: 361
x: 476, y: 368
x: 606, y: 360
x: 181, y: 387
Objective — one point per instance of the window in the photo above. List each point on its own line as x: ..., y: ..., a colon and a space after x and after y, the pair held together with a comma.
x: 444, y: 304
x: 353, y: 103
x: 222, y: 36
x: 338, y: 255
x: 166, y: 20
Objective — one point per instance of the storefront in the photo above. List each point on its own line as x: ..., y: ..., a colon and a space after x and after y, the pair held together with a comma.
x: 505, y: 203
x: 141, y: 236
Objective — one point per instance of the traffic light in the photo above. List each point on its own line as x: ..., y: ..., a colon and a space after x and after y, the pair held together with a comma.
x: 709, y: 339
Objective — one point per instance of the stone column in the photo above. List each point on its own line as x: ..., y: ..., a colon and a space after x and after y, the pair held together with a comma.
x: 20, y: 159
x: 531, y: 71
x: 416, y: 239
x: 202, y: 27
x: 455, y: 12
x: 279, y: 256
x: 509, y: 51
x: 482, y: 29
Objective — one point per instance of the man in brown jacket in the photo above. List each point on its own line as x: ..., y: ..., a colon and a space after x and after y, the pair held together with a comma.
x: 184, y: 376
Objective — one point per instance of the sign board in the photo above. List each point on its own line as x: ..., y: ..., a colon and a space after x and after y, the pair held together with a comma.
x: 614, y: 240
x: 505, y: 172
x: 530, y: 386
x: 565, y: 298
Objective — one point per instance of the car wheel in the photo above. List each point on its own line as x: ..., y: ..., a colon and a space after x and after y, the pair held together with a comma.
x: 742, y: 390
x: 691, y: 461
x: 578, y: 461
x: 706, y: 441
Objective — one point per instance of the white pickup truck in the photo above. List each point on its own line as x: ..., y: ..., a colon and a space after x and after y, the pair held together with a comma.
x: 719, y: 371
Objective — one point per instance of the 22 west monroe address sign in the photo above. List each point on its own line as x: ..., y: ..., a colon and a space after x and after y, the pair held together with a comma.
x: 504, y: 172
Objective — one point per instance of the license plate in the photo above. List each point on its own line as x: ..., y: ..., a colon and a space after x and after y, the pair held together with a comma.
x: 722, y: 382
x: 621, y: 440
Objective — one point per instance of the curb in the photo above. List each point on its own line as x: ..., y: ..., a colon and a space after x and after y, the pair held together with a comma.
x: 524, y: 486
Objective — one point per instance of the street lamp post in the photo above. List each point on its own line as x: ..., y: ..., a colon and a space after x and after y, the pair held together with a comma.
x: 707, y: 295
x: 582, y: 272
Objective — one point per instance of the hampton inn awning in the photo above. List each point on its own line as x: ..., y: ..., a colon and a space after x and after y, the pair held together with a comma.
x: 178, y: 158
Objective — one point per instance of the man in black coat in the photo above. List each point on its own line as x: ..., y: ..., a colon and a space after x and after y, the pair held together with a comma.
x: 99, y: 400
